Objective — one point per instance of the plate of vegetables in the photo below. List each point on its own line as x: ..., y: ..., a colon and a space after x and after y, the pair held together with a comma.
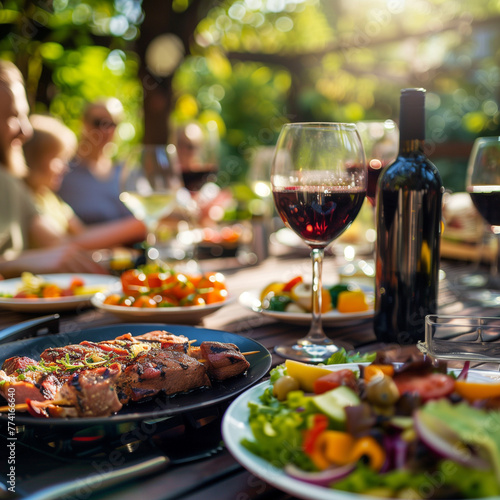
x: 52, y: 292
x: 157, y: 293
x: 291, y: 302
x: 371, y: 430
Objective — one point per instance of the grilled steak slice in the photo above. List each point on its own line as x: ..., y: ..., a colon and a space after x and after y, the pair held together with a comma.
x: 92, y: 392
x: 88, y: 393
x: 166, y: 339
x: 28, y: 379
x: 223, y: 360
x: 160, y: 371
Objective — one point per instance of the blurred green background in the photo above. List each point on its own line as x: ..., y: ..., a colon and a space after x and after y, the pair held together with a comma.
x: 251, y: 65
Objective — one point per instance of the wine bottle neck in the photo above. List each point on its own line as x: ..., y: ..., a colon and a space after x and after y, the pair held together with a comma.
x: 411, y: 120
x: 408, y: 146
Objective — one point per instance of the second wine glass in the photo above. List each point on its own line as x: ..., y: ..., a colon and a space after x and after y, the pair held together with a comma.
x: 319, y: 182
x: 483, y: 185
x: 149, y: 188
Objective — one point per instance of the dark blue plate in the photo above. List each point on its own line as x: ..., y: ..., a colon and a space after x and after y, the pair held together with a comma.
x: 161, y: 406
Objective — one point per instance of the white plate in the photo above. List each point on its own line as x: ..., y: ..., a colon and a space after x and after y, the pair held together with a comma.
x: 235, y: 427
x: 11, y: 287
x: 186, y: 314
x: 251, y: 300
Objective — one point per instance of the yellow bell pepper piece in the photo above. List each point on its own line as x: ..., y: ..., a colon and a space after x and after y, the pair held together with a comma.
x: 304, y: 373
x: 340, y: 448
x: 371, y: 371
x: 352, y: 301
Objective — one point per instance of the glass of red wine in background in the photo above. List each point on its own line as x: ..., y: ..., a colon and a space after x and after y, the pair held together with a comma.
x: 197, y: 153
x: 483, y: 185
x: 319, y: 181
x: 381, y: 142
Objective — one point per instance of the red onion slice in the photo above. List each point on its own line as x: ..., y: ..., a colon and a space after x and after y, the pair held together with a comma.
x: 323, y: 478
x: 445, y: 442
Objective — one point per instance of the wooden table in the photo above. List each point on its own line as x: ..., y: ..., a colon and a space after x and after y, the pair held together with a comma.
x: 221, y: 477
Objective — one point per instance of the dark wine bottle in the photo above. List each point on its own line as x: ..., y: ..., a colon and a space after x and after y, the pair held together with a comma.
x: 409, y: 205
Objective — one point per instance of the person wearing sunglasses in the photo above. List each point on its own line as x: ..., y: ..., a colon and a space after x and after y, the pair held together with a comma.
x: 92, y: 185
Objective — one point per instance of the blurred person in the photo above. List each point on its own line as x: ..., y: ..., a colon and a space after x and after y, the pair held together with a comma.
x: 21, y: 226
x: 47, y: 154
x: 92, y: 185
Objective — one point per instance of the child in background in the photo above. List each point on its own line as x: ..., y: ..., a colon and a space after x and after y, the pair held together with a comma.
x: 47, y: 154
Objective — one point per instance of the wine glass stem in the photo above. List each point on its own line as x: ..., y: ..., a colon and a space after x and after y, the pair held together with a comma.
x: 496, y: 262
x: 316, y: 335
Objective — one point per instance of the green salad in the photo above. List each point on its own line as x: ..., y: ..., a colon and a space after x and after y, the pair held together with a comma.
x: 390, y: 431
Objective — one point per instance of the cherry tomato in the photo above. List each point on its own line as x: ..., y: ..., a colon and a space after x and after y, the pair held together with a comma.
x: 431, y: 386
x: 214, y: 295
x: 112, y: 300
x: 51, y: 291
x: 76, y: 282
x: 145, y: 301
x: 182, y: 287
x: 335, y: 379
x: 168, y: 301
x: 133, y: 281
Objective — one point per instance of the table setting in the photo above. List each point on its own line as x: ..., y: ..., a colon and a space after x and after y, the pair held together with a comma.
x: 191, y: 445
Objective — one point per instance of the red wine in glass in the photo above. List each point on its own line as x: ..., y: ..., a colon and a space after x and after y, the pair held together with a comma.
x: 487, y: 201
x: 318, y: 214
x: 195, y: 179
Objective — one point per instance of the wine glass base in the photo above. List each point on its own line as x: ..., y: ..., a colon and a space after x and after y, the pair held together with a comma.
x: 311, y: 353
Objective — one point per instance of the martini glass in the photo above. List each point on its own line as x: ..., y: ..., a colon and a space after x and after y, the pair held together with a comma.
x: 319, y: 183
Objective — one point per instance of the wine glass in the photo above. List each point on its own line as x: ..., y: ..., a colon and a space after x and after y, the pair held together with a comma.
x: 483, y: 185
x: 380, y: 142
x: 319, y: 182
x: 149, y: 188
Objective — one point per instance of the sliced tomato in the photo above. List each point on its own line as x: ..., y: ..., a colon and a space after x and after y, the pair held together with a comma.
x: 431, y: 386
x: 335, y: 379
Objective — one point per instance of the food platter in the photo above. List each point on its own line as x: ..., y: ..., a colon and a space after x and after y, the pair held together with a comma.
x: 235, y: 427
x: 94, y: 281
x: 160, y: 406
x: 250, y: 299
x: 184, y: 314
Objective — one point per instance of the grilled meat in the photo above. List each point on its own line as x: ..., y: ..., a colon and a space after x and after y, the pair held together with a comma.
x: 97, y: 378
x: 28, y: 379
x: 223, y: 360
x: 160, y: 370
x: 88, y: 393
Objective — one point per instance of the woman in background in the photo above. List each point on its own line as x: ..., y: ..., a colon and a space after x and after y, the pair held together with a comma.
x: 92, y: 186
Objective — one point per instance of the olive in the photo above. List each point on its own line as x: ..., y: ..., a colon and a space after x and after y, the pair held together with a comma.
x: 382, y: 391
x: 283, y: 386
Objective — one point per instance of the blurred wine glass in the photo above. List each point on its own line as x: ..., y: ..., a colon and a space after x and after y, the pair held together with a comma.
x: 381, y: 143
x: 198, y: 148
x: 483, y: 186
x: 149, y: 188
x: 319, y: 180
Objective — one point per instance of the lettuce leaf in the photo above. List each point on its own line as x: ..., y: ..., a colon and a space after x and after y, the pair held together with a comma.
x: 475, y: 427
x: 342, y: 356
